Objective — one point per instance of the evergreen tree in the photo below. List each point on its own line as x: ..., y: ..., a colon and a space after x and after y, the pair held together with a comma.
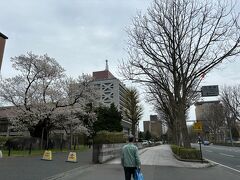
x: 133, y: 109
x: 108, y: 118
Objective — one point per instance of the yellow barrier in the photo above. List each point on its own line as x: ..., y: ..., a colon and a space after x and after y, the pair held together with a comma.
x: 72, y: 157
x: 47, y: 155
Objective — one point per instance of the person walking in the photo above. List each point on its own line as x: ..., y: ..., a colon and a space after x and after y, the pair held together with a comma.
x: 130, y: 158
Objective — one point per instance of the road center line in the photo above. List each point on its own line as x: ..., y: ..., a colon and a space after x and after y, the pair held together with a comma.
x: 224, y: 166
x: 226, y: 155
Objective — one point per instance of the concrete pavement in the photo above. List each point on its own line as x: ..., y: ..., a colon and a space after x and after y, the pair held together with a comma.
x: 154, y: 160
x: 115, y: 172
x: 162, y: 156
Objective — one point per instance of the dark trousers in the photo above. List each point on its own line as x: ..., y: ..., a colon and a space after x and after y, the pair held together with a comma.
x: 129, y: 171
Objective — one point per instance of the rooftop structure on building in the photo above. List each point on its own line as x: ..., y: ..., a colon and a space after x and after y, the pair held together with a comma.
x: 153, y: 118
x: 105, y: 74
x: 112, y: 90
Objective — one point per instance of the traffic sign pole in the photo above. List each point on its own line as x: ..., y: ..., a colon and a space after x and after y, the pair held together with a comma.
x: 200, y: 147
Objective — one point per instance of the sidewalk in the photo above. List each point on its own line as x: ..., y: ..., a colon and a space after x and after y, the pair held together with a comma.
x: 162, y: 156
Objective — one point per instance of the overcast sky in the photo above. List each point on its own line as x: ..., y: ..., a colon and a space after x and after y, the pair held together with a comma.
x: 80, y: 35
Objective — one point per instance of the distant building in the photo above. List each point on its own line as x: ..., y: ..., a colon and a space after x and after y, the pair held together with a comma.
x: 111, y: 90
x: 2, y: 45
x: 7, y: 113
x: 202, y: 108
x: 154, y: 126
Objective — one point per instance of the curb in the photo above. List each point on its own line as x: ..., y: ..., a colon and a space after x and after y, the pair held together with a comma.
x: 190, y: 160
x: 208, y: 163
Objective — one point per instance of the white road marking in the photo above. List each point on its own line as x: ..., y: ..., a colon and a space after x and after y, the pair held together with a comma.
x: 229, y: 155
x: 208, y: 150
x: 224, y: 166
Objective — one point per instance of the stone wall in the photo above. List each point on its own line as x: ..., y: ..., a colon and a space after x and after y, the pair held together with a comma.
x: 106, y: 152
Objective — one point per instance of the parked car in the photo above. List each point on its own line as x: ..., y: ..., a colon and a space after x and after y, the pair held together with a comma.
x: 145, y: 142
x: 205, y: 142
x: 150, y: 142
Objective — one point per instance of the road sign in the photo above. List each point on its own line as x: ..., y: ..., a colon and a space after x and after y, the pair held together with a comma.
x: 197, y: 126
x: 210, y: 91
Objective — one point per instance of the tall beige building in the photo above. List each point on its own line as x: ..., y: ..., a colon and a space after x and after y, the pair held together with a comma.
x: 154, y: 126
x: 111, y: 90
x: 205, y: 107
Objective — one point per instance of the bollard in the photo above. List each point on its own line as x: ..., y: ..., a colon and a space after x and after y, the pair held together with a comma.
x: 9, y: 150
x: 30, y: 149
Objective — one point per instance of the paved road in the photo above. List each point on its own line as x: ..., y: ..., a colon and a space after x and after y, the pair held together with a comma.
x: 33, y: 168
x: 158, y: 164
x: 115, y: 172
x: 227, y: 156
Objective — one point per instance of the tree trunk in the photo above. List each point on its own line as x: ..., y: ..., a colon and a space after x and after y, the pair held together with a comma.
x: 133, y: 130
x: 185, y: 137
x: 230, y: 134
x: 183, y: 127
x: 173, y: 134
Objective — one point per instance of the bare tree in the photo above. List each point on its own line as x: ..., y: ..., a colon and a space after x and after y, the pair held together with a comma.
x: 176, y: 43
x: 133, y: 109
x: 214, y: 119
x: 41, y: 91
x: 230, y: 97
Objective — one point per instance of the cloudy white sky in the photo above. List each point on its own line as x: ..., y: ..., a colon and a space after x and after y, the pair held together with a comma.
x: 80, y: 35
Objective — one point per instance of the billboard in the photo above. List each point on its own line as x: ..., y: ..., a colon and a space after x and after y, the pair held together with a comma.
x: 210, y: 91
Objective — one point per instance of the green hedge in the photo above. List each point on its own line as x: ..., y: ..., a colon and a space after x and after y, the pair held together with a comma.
x: 186, y: 153
x: 105, y: 137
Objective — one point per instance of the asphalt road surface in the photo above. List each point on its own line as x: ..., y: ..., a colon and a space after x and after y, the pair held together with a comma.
x: 33, y: 168
x: 229, y: 157
x: 115, y: 172
x: 157, y: 164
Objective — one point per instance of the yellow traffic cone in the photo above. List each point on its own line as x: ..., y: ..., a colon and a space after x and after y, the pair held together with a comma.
x: 47, y: 155
x: 72, y: 157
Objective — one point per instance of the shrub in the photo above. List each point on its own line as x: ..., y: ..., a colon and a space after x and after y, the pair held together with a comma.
x: 105, y: 137
x: 186, y: 153
x: 3, y: 140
